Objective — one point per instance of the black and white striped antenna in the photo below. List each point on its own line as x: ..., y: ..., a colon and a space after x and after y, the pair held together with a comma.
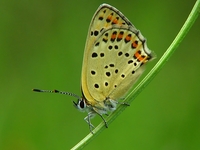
x: 56, y: 91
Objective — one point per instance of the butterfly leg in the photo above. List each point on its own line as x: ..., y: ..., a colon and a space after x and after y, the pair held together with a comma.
x: 97, y: 111
x: 122, y: 103
x: 112, y: 104
x: 125, y: 104
x: 103, y: 120
x: 88, y: 118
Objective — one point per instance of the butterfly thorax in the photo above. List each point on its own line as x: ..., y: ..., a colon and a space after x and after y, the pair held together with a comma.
x: 100, y: 107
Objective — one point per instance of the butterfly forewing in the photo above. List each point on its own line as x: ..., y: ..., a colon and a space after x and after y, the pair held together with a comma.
x: 114, y: 53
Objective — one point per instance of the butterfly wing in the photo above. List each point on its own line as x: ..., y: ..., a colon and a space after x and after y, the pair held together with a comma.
x: 114, y: 53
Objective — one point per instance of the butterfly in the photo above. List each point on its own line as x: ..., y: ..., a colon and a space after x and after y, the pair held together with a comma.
x: 114, y: 56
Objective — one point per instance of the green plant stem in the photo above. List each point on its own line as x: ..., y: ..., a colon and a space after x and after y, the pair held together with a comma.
x: 132, y: 95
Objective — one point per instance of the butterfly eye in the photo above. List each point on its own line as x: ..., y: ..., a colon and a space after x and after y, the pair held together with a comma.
x: 80, y: 105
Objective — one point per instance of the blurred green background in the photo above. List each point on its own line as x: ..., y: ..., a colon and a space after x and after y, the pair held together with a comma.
x: 41, y: 46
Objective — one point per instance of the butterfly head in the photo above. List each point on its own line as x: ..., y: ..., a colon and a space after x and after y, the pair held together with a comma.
x: 80, y: 104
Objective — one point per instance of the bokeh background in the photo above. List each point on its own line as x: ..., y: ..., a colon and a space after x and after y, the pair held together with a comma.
x: 41, y: 46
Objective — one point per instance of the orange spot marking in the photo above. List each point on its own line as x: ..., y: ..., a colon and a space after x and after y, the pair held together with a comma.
x: 113, y: 36
x: 139, y: 57
x: 134, y: 44
x: 115, y: 21
x: 120, y: 36
x: 109, y: 18
x: 128, y: 38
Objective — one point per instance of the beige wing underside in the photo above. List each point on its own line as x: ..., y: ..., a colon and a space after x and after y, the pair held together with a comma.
x: 114, y: 53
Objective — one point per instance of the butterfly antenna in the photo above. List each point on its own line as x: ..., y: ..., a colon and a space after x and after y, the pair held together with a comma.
x: 56, y: 91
